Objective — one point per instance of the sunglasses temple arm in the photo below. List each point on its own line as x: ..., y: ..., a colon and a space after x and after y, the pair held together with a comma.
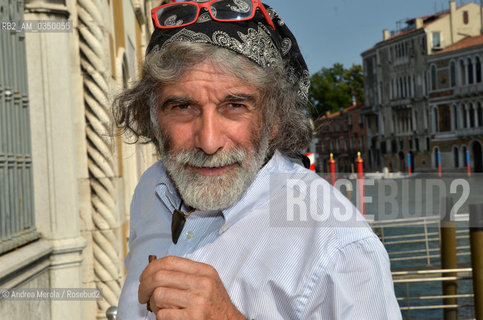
x: 266, y: 15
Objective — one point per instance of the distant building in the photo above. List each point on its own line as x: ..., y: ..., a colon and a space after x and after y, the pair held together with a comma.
x: 396, y: 85
x: 456, y: 104
x: 343, y: 134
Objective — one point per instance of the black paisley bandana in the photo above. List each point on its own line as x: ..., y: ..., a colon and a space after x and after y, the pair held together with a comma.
x: 254, y: 39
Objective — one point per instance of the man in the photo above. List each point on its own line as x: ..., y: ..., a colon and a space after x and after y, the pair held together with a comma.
x: 223, y: 97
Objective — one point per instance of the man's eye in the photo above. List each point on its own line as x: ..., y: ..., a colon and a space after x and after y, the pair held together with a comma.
x: 180, y: 107
x: 236, y: 105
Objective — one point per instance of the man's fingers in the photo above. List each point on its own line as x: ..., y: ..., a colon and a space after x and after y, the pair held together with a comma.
x: 168, y: 298
x: 173, y: 272
x: 174, y: 280
x: 171, y: 314
x: 165, y: 279
x: 183, y: 265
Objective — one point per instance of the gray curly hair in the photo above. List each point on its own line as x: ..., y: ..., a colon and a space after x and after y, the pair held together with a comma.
x: 280, y: 103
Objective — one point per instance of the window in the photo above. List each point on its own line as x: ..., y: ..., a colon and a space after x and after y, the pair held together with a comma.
x: 436, y: 40
x: 470, y: 71
x: 433, y: 77
x: 17, y: 225
x: 455, y: 117
x: 393, y: 146
x: 466, y: 17
x: 462, y: 73
x: 452, y: 74
x: 400, y: 82
x: 405, y: 87
x: 383, y: 147
x: 444, y: 118
x: 480, y: 115
x: 478, y: 69
x: 472, y: 116
x: 456, y: 157
x: 415, y: 122
x: 465, y: 119
x: 435, y: 120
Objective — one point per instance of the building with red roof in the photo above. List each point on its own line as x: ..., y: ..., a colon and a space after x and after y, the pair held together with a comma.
x: 343, y: 134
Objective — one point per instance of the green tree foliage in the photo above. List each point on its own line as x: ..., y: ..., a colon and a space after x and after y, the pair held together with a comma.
x: 333, y: 88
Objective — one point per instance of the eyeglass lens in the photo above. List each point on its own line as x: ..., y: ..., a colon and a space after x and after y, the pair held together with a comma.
x: 228, y: 10
x: 232, y: 9
x: 177, y: 14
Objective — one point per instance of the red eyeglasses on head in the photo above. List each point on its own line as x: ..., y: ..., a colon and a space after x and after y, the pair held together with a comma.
x: 179, y: 14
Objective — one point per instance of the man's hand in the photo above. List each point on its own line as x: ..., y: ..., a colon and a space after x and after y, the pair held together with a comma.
x: 178, y: 288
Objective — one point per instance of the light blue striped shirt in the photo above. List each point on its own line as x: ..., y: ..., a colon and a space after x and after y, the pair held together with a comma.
x: 274, y: 265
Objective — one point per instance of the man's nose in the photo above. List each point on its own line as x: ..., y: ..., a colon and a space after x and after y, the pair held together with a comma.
x: 209, y: 135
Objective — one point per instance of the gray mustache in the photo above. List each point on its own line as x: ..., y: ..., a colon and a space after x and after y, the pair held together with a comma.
x: 198, y: 158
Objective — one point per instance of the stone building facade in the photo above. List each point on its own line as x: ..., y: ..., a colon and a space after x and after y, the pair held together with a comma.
x: 396, y: 85
x: 67, y: 225
x: 456, y: 104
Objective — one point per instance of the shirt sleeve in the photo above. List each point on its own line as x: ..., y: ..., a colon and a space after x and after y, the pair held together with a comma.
x: 357, y: 285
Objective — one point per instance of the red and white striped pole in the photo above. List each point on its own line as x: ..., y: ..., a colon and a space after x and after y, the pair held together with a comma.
x: 311, y: 157
x: 360, y: 183
x: 332, y: 169
x: 439, y: 164
x: 409, y: 165
x: 468, y: 166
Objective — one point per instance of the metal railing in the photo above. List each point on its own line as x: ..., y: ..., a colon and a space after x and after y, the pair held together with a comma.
x: 17, y: 225
x: 413, y: 246
x: 419, y: 293
x: 415, y: 242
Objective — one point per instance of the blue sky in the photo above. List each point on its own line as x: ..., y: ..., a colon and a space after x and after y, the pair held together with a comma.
x: 330, y: 31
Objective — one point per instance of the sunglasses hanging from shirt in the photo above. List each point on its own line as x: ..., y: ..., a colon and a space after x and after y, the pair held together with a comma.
x: 179, y: 14
x: 177, y: 222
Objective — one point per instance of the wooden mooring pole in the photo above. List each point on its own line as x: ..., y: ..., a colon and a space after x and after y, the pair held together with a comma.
x: 448, y: 257
x: 476, y: 243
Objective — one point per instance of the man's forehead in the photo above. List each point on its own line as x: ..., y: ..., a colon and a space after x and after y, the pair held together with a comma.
x: 207, y: 75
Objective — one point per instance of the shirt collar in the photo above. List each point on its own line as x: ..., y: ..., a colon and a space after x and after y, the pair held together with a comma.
x: 166, y: 190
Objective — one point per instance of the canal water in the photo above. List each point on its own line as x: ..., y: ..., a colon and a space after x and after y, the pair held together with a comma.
x: 422, y: 196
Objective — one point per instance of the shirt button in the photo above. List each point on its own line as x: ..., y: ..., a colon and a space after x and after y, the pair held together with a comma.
x: 224, y: 228
x: 190, y: 235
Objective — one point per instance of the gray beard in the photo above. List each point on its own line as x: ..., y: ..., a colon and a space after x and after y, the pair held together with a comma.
x: 215, y: 192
